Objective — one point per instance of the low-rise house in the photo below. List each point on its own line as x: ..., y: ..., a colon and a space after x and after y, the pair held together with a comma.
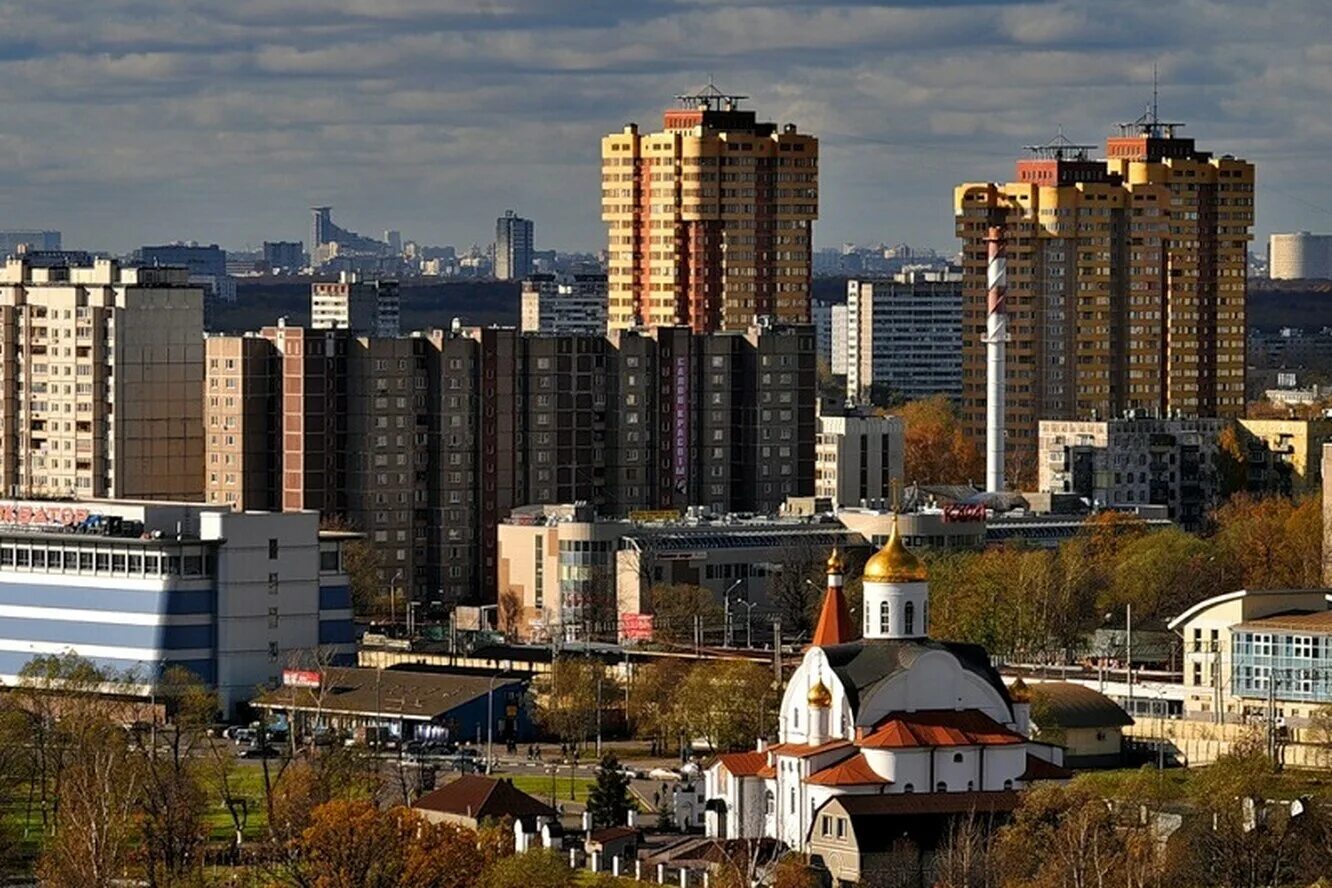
x: 472, y: 800
x: 1088, y: 724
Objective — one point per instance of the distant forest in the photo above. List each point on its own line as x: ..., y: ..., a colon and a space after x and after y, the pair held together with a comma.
x: 261, y: 302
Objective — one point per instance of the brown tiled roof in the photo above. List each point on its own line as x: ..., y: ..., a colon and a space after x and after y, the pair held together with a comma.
x: 483, y: 798
x: 743, y: 764
x: 1311, y: 621
x: 1039, y: 769
x: 1069, y: 705
x: 938, y: 727
x: 767, y: 772
x: 851, y: 771
x: 611, y: 834
x: 918, y: 803
x: 801, y: 750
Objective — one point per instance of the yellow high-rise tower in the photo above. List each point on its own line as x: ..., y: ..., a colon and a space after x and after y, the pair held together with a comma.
x: 710, y: 218
x: 1126, y: 283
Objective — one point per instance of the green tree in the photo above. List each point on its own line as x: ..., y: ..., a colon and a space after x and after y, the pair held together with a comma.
x: 727, y: 703
x: 1162, y: 573
x: 677, y: 608
x: 653, y: 715
x: 608, y: 802
x: 566, y: 698
x: 541, y: 868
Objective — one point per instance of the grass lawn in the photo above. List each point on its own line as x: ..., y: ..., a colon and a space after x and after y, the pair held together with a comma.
x: 247, y: 782
x: 537, y: 784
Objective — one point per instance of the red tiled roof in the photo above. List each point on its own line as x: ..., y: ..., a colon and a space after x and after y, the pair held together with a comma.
x: 482, y: 798
x: 835, y: 626
x: 743, y: 764
x: 767, y: 772
x: 938, y: 727
x: 801, y: 750
x: 1040, y: 769
x: 852, y: 771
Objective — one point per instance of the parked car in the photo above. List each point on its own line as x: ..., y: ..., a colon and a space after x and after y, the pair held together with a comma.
x: 256, y: 751
x: 663, y: 774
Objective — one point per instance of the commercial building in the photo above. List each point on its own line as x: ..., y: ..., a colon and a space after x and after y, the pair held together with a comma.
x: 323, y: 420
x: 138, y: 587
x: 14, y: 241
x: 830, y: 325
x: 403, y: 703
x: 1137, y: 461
x: 328, y: 239
x: 1255, y: 654
x: 101, y: 381
x: 1126, y: 282
x: 284, y: 255
x: 1299, y: 256
x: 564, y: 303
x: 858, y: 458
x: 709, y: 218
x: 514, y: 244
x: 567, y: 573
x: 365, y: 308
x: 904, y: 337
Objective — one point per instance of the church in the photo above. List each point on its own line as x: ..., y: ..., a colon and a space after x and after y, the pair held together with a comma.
x: 884, y: 735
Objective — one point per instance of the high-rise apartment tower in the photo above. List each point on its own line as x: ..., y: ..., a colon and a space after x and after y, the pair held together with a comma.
x: 709, y: 218
x: 1126, y: 283
x: 514, y: 237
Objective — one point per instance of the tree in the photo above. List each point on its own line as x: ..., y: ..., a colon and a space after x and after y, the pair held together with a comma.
x: 937, y: 451
x: 728, y: 703
x: 1160, y: 574
x: 542, y: 868
x: 608, y: 802
x: 94, y: 829
x: 678, y: 608
x: 1271, y: 542
x: 652, y: 707
x: 566, y: 698
x: 364, y: 568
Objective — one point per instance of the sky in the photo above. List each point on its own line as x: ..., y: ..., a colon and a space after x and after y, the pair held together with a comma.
x: 128, y: 122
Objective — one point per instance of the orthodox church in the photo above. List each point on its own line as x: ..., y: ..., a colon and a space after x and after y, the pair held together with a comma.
x: 880, y: 733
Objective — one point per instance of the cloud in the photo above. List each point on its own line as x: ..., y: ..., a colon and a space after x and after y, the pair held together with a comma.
x: 129, y: 121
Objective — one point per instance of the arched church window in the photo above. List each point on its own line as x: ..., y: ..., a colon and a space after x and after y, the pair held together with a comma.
x: 910, y: 787
x: 942, y: 787
x: 885, y: 616
x: 909, y: 618
x: 1008, y: 784
x: 957, y: 758
x: 793, y: 800
x: 795, y: 718
x: 770, y: 803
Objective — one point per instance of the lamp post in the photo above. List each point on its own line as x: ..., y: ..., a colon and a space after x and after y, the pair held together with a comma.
x: 490, y: 721
x: 726, y: 598
x: 393, y: 599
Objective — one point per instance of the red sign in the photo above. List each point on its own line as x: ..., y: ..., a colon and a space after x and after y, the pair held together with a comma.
x: 50, y: 516
x: 964, y: 512
x: 635, y: 627
x: 300, y: 678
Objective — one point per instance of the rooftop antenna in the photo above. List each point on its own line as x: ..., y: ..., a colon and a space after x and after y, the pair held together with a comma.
x: 1155, y: 115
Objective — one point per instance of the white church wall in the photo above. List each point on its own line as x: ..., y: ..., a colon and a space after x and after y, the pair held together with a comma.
x: 936, y: 680
x: 1004, y: 763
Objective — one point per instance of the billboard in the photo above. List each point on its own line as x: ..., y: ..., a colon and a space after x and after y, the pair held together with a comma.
x: 300, y: 678
x: 635, y: 627
x: 964, y: 512
x: 683, y: 403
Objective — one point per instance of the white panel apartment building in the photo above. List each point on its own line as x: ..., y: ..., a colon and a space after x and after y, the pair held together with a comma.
x: 101, y: 381
x: 905, y: 335
x: 559, y: 304
x: 858, y: 458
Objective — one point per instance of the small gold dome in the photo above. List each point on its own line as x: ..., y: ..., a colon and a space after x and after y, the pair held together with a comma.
x: 894, y: 563
x: 835, y: 562
x: 819, y: 696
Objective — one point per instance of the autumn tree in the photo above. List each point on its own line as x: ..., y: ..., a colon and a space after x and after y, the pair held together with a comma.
x: 677, y: 608
x: 364, y: 568
x: 1271, y: 542
x: 1161, y: 574
x: 567, y: 697
x: 937, y: 451
x: 728, y: 703
x: 653, y: 715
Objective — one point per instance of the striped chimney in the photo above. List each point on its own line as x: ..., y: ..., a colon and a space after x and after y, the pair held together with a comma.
x: 996, y: 339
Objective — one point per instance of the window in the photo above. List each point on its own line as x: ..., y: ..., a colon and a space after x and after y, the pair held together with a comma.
x: 885, y: 618
x: 942, y: 787
x: 909, y: 618
x: 273, y: 651
x: 957, y: 758
x: 769, y: 803
x: 825, y: 825
x: 841, y: 828
x: 272, y: 549
x: 793, y: 800
x: 909, y: 788
x: 1008, y: 784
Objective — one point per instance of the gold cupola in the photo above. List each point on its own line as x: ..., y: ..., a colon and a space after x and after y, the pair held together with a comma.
x: 819, y: 696
x: 894, y: 563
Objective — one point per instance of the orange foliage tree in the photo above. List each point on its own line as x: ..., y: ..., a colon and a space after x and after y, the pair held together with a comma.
x: 937, y: 450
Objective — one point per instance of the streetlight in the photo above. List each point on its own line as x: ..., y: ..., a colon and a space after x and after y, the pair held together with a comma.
x: 490, y: 720
x: 726, y: 597
x: 1128, y: 651
x: 393, y: 599
x: 749, y: 625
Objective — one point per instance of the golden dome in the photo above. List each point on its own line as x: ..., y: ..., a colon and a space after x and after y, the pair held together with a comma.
x: 819, y: 696
x: 835, y: 562
x: 894, y: 563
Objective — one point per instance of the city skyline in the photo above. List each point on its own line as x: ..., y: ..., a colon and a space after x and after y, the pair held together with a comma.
x: 903, y: 98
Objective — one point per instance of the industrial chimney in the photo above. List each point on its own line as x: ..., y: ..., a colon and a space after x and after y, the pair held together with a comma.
x: 996, y: 340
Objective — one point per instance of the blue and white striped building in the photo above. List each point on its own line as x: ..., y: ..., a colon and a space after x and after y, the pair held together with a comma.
x: 236, y: 597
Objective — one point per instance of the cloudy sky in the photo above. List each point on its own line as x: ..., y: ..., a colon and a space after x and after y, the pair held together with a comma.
x: 129, y: 122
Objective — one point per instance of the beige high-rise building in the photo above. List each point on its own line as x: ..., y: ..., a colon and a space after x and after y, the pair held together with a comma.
x: 1126, y: 283
x: 101, y: 377
x: 710, y: 218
